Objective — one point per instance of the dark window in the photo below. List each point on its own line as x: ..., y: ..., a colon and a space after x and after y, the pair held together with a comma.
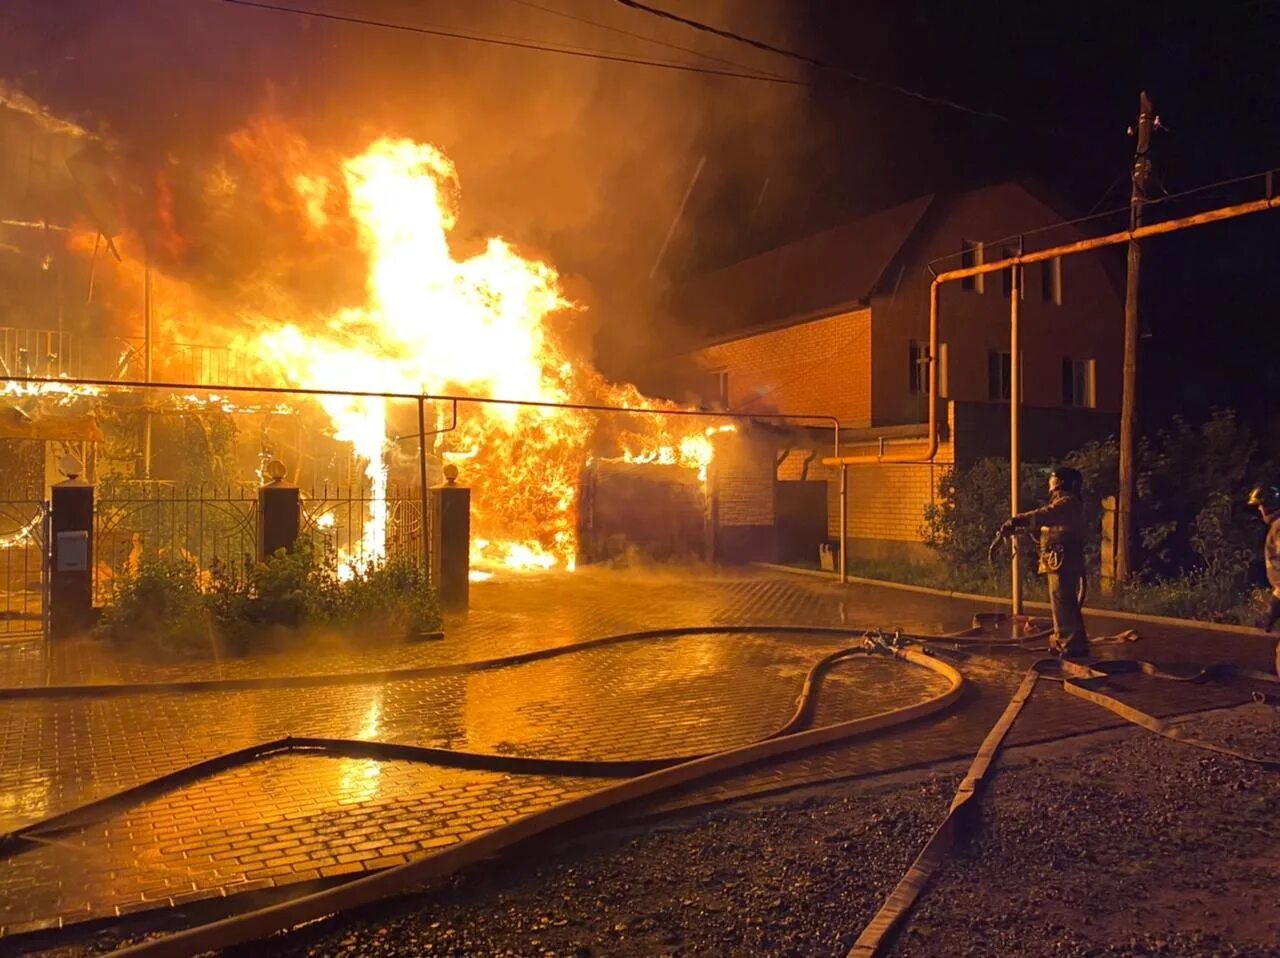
x: 970, y: 255
x: 1078, y: 383
x: 1051, y: 280
x: 999, y: 373
x: 1006, y: 275
x: 915, y: 374
x: 716, y: 390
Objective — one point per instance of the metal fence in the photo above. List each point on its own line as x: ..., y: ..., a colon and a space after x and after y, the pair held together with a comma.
x: 335, y: 516
x: 216, y: 528
x: 23, y: 570
x: 54, y: 354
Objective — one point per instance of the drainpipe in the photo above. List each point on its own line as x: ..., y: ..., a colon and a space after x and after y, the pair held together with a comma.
x: 1015, y: 402
x: 1039, y: 256
x: 930, y: 450
x: 804, y: 466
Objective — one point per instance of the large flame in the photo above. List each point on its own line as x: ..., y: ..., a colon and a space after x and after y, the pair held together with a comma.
x: 436, y: 315
x: 437, y: 323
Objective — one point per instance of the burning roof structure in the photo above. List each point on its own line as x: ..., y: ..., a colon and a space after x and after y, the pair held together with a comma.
x: 320, y: 271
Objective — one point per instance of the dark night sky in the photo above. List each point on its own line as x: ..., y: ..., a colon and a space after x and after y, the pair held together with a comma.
x: 596, y: 183
x: 1068, y: 77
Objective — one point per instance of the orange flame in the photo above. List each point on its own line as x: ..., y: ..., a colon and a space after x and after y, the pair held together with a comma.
x: 490, y: 324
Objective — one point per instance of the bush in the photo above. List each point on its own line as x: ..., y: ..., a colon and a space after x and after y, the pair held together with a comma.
x: 1200, y: 545
x: 160, y: 606
x: 164, y: 607
x: 959, y: 527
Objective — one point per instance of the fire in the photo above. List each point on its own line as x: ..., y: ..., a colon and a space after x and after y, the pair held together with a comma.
x: 434, y: 322
x: 436, y: 315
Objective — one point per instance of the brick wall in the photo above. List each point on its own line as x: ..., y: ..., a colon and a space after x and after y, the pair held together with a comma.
x: 822, y: 367
x: 741, y: 480
x: 886, y: 500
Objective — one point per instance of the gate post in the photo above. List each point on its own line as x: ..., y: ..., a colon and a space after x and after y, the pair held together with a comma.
x: 279, y: 513
x: 71, y: 558
x: 1107, y: 550
x: 451, y: 541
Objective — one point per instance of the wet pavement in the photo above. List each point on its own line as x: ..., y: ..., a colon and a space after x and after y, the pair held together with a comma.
x: 294, y: 818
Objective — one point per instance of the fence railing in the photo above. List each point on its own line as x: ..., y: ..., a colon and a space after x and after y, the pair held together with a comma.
x: 54, y: 354
x: 216, y: 527
x: 23, y: 570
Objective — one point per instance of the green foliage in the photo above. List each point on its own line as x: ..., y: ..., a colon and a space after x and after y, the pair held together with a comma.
x: 163, y: 607
x: 160, y: 606
x: 1191, y: 480
x: 959, y: 527
x: 1200, y: 546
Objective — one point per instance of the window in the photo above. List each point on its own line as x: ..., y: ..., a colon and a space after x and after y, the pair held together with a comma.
x: 999, y: 374
x: 918, y: 373
x: 1051, y: 281
x: 1079, y: 383
x: 970, y: 255
x: 716, y: 391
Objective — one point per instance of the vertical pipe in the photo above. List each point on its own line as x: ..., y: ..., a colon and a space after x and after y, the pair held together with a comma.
x: 844, y: 521
x: 1015, y: 399
x: 146, y: 363
x: 422, y: 490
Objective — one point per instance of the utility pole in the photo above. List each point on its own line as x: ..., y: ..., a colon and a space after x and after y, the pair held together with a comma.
x: 1147, y: 122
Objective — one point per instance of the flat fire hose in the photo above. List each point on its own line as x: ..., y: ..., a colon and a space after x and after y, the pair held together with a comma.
x: 1078, y: 680
x: 255, y: 925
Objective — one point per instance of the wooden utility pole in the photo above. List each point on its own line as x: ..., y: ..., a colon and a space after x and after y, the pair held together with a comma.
x: 1129, y: 392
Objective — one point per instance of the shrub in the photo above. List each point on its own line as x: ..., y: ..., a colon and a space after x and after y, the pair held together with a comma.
x: 159, y: 605
x: 1200, y: 547
x: 972, y: 504
x: 289, y: 593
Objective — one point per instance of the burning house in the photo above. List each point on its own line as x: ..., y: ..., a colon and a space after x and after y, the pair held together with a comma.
x: 358, y: 283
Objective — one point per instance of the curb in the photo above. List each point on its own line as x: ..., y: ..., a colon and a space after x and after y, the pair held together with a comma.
x: 1197, y: 624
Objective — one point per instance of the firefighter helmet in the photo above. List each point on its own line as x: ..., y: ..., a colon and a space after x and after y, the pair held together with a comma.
x: 1265, y: 496
x: 1069, y: 480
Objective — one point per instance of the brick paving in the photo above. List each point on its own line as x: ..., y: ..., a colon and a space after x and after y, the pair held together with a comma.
x: 293, y: 818
x: 515, y: 615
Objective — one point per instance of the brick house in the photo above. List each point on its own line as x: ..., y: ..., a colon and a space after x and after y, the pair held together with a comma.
x: 837, y: 324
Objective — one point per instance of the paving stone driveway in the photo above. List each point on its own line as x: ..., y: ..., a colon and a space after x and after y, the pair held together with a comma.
x: 296, y: 818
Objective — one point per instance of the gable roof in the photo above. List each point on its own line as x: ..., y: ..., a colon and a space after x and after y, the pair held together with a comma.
x: 793, y: 282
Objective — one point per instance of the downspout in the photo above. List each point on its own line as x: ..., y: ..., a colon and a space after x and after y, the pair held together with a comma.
x: 931, y: 444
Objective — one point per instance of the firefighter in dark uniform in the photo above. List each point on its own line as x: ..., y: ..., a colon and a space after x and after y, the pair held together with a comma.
x: 1061, y: 525
x: 1266, y: 499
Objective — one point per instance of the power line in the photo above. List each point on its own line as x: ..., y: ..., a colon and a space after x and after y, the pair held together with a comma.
x: 582, y: 53
x: 1167, y: 198
x: 812, y: 61
x: 639, y: 36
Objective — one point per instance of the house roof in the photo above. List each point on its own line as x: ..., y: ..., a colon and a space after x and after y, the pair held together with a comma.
x: 795, y: 282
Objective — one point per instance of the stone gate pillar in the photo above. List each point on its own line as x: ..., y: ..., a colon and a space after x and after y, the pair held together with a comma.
x: 451, y: 541
x: 71, y: 558
x: 279, y: 513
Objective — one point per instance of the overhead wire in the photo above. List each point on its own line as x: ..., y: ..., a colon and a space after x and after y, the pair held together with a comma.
x: 813, y: 61
x: 1167, y: 198
x: 638, y: 36
x: 517, y: 43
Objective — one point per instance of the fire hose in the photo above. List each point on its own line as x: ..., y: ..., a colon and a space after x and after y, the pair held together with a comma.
x: 654, y: 776
x: 1082, y: 681
x: 662, y: 774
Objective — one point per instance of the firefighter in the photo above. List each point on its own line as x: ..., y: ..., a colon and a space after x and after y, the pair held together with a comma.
x: 1061, y: 525
x: 1266, y: 499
